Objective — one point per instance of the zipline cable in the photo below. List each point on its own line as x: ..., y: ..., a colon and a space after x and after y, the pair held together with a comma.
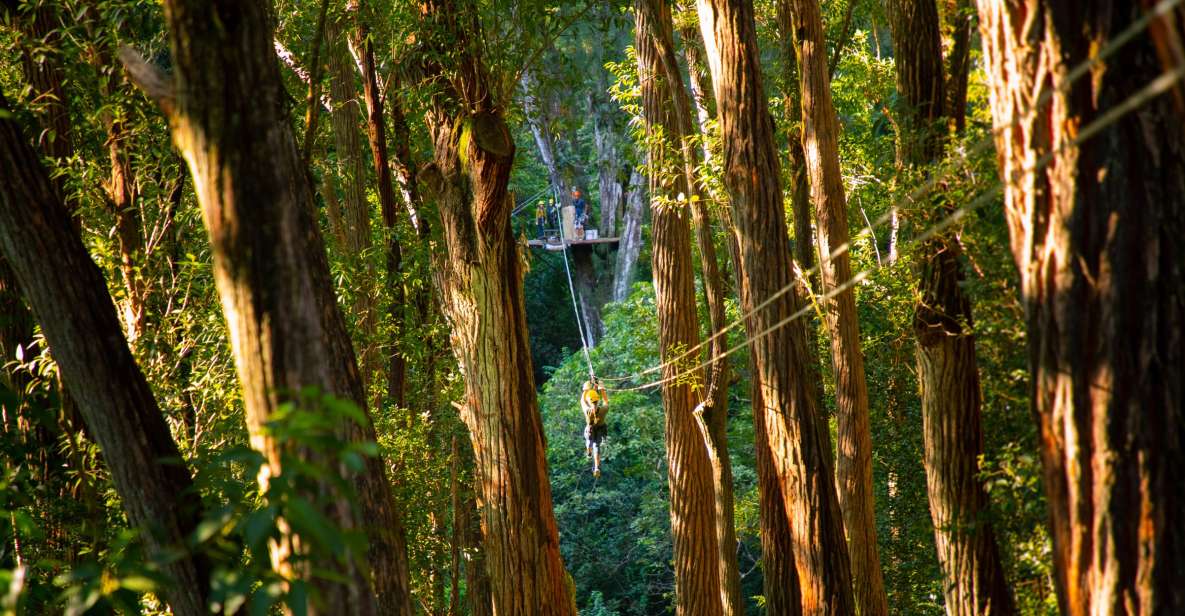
x: 1155, y: 88
x: 580, y: 325
x: 945, y: 171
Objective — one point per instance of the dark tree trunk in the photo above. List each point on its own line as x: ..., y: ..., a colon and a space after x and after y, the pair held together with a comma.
x: 71, y: 302
x: 1096, y: 237
x: 226, y: 108
x: 797, y: 434
x: 958, y: 18
x: 698, y: 588
x: 973, y: 576
x: 478, y: 274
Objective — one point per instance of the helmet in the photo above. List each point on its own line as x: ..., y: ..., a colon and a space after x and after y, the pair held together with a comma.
x: 576, y: 193
x: 587, y: 385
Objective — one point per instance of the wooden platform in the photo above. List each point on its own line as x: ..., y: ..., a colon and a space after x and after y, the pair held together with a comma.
x: 556, y: 245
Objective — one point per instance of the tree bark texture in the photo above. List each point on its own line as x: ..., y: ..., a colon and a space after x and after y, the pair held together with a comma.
x: 629, y: 244
x: 698, y: 588
x: 797, y: 434
x: 226, y: 111
x: 800, y: 189
x: 1096, y: 238
x: 482, y: 298
x: 779, y: 576
x: 70, y: 300
x: 712, y: 412
x: 854, y: 434
x: 948, y: 375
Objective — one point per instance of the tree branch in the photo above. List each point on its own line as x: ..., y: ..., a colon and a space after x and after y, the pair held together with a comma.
x: 149, y: 78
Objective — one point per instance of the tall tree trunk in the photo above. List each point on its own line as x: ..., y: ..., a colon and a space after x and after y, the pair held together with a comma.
x: 854, y: 465
x: 973, y: 576
x: 351, y: 174
x: 376, y: 132
x: 629, y: 244
x: 480, y: 284
x: 780, y: 579
x: 395, y: 590
x: 225, y: 104
x: 693, y: 515
x: 797, y: 434
x: 712, y: 412
x: 71, y: 302
x: 957, y: 20
x: 609, y: 136
x: 1096, y: 238
x: 800, y: 189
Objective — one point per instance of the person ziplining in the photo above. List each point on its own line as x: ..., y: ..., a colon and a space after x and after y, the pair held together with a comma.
x: 595, y: 404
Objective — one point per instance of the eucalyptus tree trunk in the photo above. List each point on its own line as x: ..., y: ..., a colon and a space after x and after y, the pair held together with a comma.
x: 712, y: 412
x: 225, y: 104
x: 629, y: 244
x: 480, y: 281
x: 796, y: 433
x: 854, y: 434
x: 973, y: 575
x: 1096, y: 239
x: 70, y: 300
x: 698, y: 588
x: 609, y: 129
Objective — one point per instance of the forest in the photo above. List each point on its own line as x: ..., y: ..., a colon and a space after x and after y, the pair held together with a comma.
x: 592, y: 307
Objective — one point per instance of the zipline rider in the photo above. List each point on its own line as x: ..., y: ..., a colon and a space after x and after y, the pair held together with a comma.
x: 595, y: 404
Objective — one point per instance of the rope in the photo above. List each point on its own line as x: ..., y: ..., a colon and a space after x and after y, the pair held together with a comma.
x: 946, y: 170
x: 1155, y: 88
x: 580, y: 325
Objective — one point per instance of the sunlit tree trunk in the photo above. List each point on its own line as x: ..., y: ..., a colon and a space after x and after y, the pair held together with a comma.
x: 800, y: 190
x: 478, y: 273
x: 225, y: 105
x: 1096, y: 236
x: 698, y: 588
x: 853, y: 470
x: 973, y: 575
x: 712, y: 412
x: 70, y: 300
x: 796, y: 433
